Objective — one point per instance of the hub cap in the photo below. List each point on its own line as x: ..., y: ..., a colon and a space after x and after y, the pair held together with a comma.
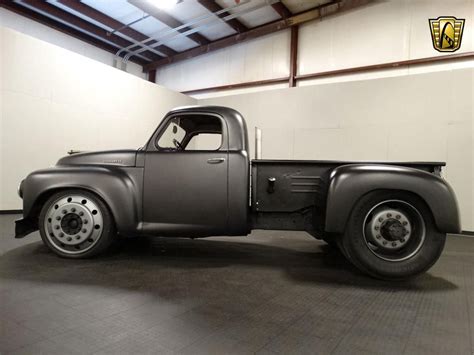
x: 73, y: 224
x: 394, y: 230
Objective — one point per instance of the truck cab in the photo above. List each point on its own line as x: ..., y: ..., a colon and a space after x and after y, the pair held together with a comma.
x: 196, y: 174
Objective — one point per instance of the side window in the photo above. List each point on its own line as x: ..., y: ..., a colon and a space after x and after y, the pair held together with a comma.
x: 205, y: 141
x: 172, y: 136
x: 192, y: 132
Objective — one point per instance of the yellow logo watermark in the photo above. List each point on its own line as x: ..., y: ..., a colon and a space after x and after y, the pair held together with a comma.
x: 446, y: 33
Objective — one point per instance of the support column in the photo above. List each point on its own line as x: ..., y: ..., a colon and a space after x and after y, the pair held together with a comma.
x: 152, y: 76
x: 293, y: 56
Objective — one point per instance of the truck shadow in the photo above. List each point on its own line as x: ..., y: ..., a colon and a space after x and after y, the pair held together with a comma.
x: 155, y: 263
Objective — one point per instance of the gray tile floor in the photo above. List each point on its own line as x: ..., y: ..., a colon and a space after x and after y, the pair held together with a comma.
x: 270, y: 293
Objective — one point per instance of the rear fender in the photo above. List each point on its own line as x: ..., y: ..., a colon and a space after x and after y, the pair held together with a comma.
x: 348, y: 183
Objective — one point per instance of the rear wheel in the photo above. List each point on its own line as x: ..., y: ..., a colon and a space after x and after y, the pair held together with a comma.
x: 392, y: 235
x: 76, y: 224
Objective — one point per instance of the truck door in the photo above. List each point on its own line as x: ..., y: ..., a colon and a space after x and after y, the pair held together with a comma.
x: 186, y: 177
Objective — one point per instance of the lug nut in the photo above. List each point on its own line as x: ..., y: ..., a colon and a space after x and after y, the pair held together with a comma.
x: 402, y: 240
x: 58, y: 218
x: 78, y: 237
x: 389, y: 215
x: 84, y: 230
x: 398, y: 216
x: 404, y: 223
x: 85, y: 221
x: 384, y: 242
x: 394, y: 244
x: 376, y: 228
x: 380, y: 219
x: 378, y: 237
x: 61, y: 235
x: 73, y: 209
x: 69, y: 239
x: 81, y: 213
x: 64, y: 211
x: 57, y: 227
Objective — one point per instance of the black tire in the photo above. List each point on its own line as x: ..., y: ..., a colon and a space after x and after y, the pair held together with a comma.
x: 419, y: 244
x: 89, y: 235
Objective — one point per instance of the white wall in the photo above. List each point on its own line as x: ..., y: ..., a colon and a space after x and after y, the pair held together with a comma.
x: 60, y: 100
x: 425, y: 117
x: 262, y: 58
x: 387, y: 31
x: 32, y: 28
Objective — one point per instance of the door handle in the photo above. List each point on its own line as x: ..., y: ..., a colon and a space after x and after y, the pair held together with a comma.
x: 215, y: 160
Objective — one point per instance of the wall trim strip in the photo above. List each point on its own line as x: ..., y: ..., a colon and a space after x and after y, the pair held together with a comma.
x: 239, y: 85
x: 339, y: 72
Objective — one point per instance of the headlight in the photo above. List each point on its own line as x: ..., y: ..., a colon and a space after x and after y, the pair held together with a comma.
x: 19, y: 191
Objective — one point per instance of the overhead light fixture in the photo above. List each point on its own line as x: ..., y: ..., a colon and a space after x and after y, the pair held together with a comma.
x: 164, y: 4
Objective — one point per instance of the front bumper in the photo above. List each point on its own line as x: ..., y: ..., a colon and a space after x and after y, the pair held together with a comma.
x: 23, y: 227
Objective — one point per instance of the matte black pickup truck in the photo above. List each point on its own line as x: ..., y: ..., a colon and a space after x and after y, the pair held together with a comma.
x: 193, y: 178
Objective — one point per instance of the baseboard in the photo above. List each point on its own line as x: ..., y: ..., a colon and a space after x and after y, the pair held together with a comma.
x: 469, y: 233
x: 11, y: 211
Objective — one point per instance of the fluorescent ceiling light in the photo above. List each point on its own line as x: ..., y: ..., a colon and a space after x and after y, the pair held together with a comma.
x: 164, y: 4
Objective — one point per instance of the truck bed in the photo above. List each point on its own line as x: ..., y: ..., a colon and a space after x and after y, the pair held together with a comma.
x: 300, y: 189
x: 299, y: 181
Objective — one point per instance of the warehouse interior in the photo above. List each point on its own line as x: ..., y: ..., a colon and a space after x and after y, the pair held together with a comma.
x: 349, y: 80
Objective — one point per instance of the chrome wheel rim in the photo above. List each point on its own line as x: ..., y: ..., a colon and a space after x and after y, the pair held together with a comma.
x: 394, y: 230
x: 73, y: 224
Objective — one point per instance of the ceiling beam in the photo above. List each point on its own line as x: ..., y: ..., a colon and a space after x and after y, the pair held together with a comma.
x: 58, y: 26
x: 108, y: 21
x: 167, y: 19
x: 88, y: 27
x: 282, y: 10
x: 213, y: 7
x: 327, y: 9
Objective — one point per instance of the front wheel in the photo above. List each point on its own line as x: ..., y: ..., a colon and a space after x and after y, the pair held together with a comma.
x: 76, y: 224
x: 392, y: 235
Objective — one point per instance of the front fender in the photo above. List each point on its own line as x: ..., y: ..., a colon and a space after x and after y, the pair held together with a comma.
x: 120, y: 188
x: 348, y: 183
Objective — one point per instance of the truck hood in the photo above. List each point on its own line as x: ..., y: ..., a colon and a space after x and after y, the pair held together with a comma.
x: 108, y: 157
